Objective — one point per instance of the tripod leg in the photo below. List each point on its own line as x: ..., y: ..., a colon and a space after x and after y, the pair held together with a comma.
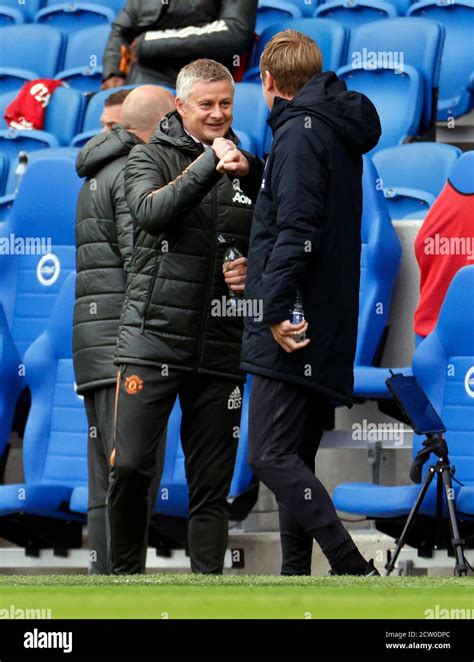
x: 458, y: 542
x: 414, y: 511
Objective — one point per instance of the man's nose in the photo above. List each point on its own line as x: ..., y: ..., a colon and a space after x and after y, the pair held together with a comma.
x: 217, y: 112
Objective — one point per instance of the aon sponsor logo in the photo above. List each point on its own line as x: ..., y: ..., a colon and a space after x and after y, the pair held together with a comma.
x: 235, y: 399
x: 243, y: 199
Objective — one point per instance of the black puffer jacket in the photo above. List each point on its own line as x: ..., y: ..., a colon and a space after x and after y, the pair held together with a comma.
x: 181, y: 204
x: 306, y: 235
x: 104, y: 237
x: 172, y: 34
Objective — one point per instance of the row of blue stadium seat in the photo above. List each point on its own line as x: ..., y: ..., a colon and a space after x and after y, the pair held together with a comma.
x: 449, y: 64
x: 30, y: 286
x: 13, y: 12
x: 411, y: 176
x: 54, y: 452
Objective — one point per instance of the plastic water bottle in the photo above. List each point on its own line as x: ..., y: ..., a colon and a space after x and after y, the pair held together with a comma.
x: 20, y: 169
x: 231, y: 253
x: 296, y: 317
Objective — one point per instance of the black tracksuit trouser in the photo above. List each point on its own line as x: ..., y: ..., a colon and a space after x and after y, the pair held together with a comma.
x: 99, y: 405
x: 210, y: 423
x: 285, y: 428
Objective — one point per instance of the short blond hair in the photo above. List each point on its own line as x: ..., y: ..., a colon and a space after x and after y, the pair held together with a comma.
x: 203, y: 70
x: 293, y: 59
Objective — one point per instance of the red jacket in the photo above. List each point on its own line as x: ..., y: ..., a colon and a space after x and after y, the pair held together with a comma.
x: 444, y: 244
x: 26, y: 111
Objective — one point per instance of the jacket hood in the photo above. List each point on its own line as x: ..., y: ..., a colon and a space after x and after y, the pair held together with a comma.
x: 351, y: 114
x: 170, y: 131
x: 103, y: 149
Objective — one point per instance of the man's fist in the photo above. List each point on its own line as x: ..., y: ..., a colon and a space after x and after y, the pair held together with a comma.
x: 234, y: 162
x: 113, y: 81
x: 221, y: 146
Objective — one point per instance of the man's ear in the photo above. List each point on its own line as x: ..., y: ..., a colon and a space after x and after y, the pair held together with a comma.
x: 180, y: 107
x: 268, y: 82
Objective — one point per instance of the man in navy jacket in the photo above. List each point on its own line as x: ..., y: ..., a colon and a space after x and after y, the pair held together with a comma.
x: 305, y: 244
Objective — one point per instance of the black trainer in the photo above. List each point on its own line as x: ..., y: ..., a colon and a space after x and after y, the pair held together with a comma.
x: 370, y: 571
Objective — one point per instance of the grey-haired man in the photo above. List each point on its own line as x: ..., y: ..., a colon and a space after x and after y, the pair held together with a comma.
x: 181, y: 190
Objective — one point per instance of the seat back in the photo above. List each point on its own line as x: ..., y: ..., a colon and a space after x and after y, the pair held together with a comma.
x: 462, y: 174
x: 114, y: 5
x: 28, y: 8
x: 272, y: 11
x: 331, y: 37
x: 356, y: 12
x: 85, y: 48
x: 396, y: 96
x: 68, y: 152
x: 443, y: 365
x: 251, y: 114
x: 70, y: 17
x: 416, y: 43
x: 64, y: 114
x: 42, y: 255
x: 38, y: 49
x: 380, y: 261
x: 422, y: 167
x: 55, y: 441
x: 456, y: 96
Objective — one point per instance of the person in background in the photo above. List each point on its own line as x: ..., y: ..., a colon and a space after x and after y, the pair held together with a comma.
x: 104, y: 237
x: 304, y: 265
x: 444, y: 243
x: 112, y: 109
x: 151, y: 41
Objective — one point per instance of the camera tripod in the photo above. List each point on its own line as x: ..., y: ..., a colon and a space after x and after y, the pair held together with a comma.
x: 434, y: 443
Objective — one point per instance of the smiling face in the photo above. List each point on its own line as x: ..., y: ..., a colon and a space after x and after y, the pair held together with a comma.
x: 207, y: 112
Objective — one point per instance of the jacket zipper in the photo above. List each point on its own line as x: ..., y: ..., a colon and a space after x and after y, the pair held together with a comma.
x: 150, y: 293
x: 209, y: 277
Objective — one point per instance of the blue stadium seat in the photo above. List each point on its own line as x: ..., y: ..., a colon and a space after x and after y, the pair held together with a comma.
x: 9, y: 16
x: 419, y: 41
x: 8, y: 198
x: 397, y: 96
x: 114, y: 5
x: 83, y: 60
x: 331, y: 37
x: 353, y: 13
x: 443, y: 366
x: 462, y: 174
x: 29, y: 52
x: 456, y: 89
x: 62, y: 120
x: 43, y: 213
x: 55, y: 440
x: 251, y: 114
x: 26, y: 9
x: 307, y: 7
x: 412, y: 176
x: 273, y: 11
x: 400, y: 6
x: 71, y: 17
x: 380, y: 262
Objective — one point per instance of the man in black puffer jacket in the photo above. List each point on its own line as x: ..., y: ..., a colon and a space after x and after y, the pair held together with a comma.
x: 306, y: 245
x: 184, y: 189
x: 104, y: 237
x: 162, y: 37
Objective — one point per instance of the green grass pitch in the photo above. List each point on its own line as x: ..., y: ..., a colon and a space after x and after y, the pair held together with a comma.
x: 235, y: 596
